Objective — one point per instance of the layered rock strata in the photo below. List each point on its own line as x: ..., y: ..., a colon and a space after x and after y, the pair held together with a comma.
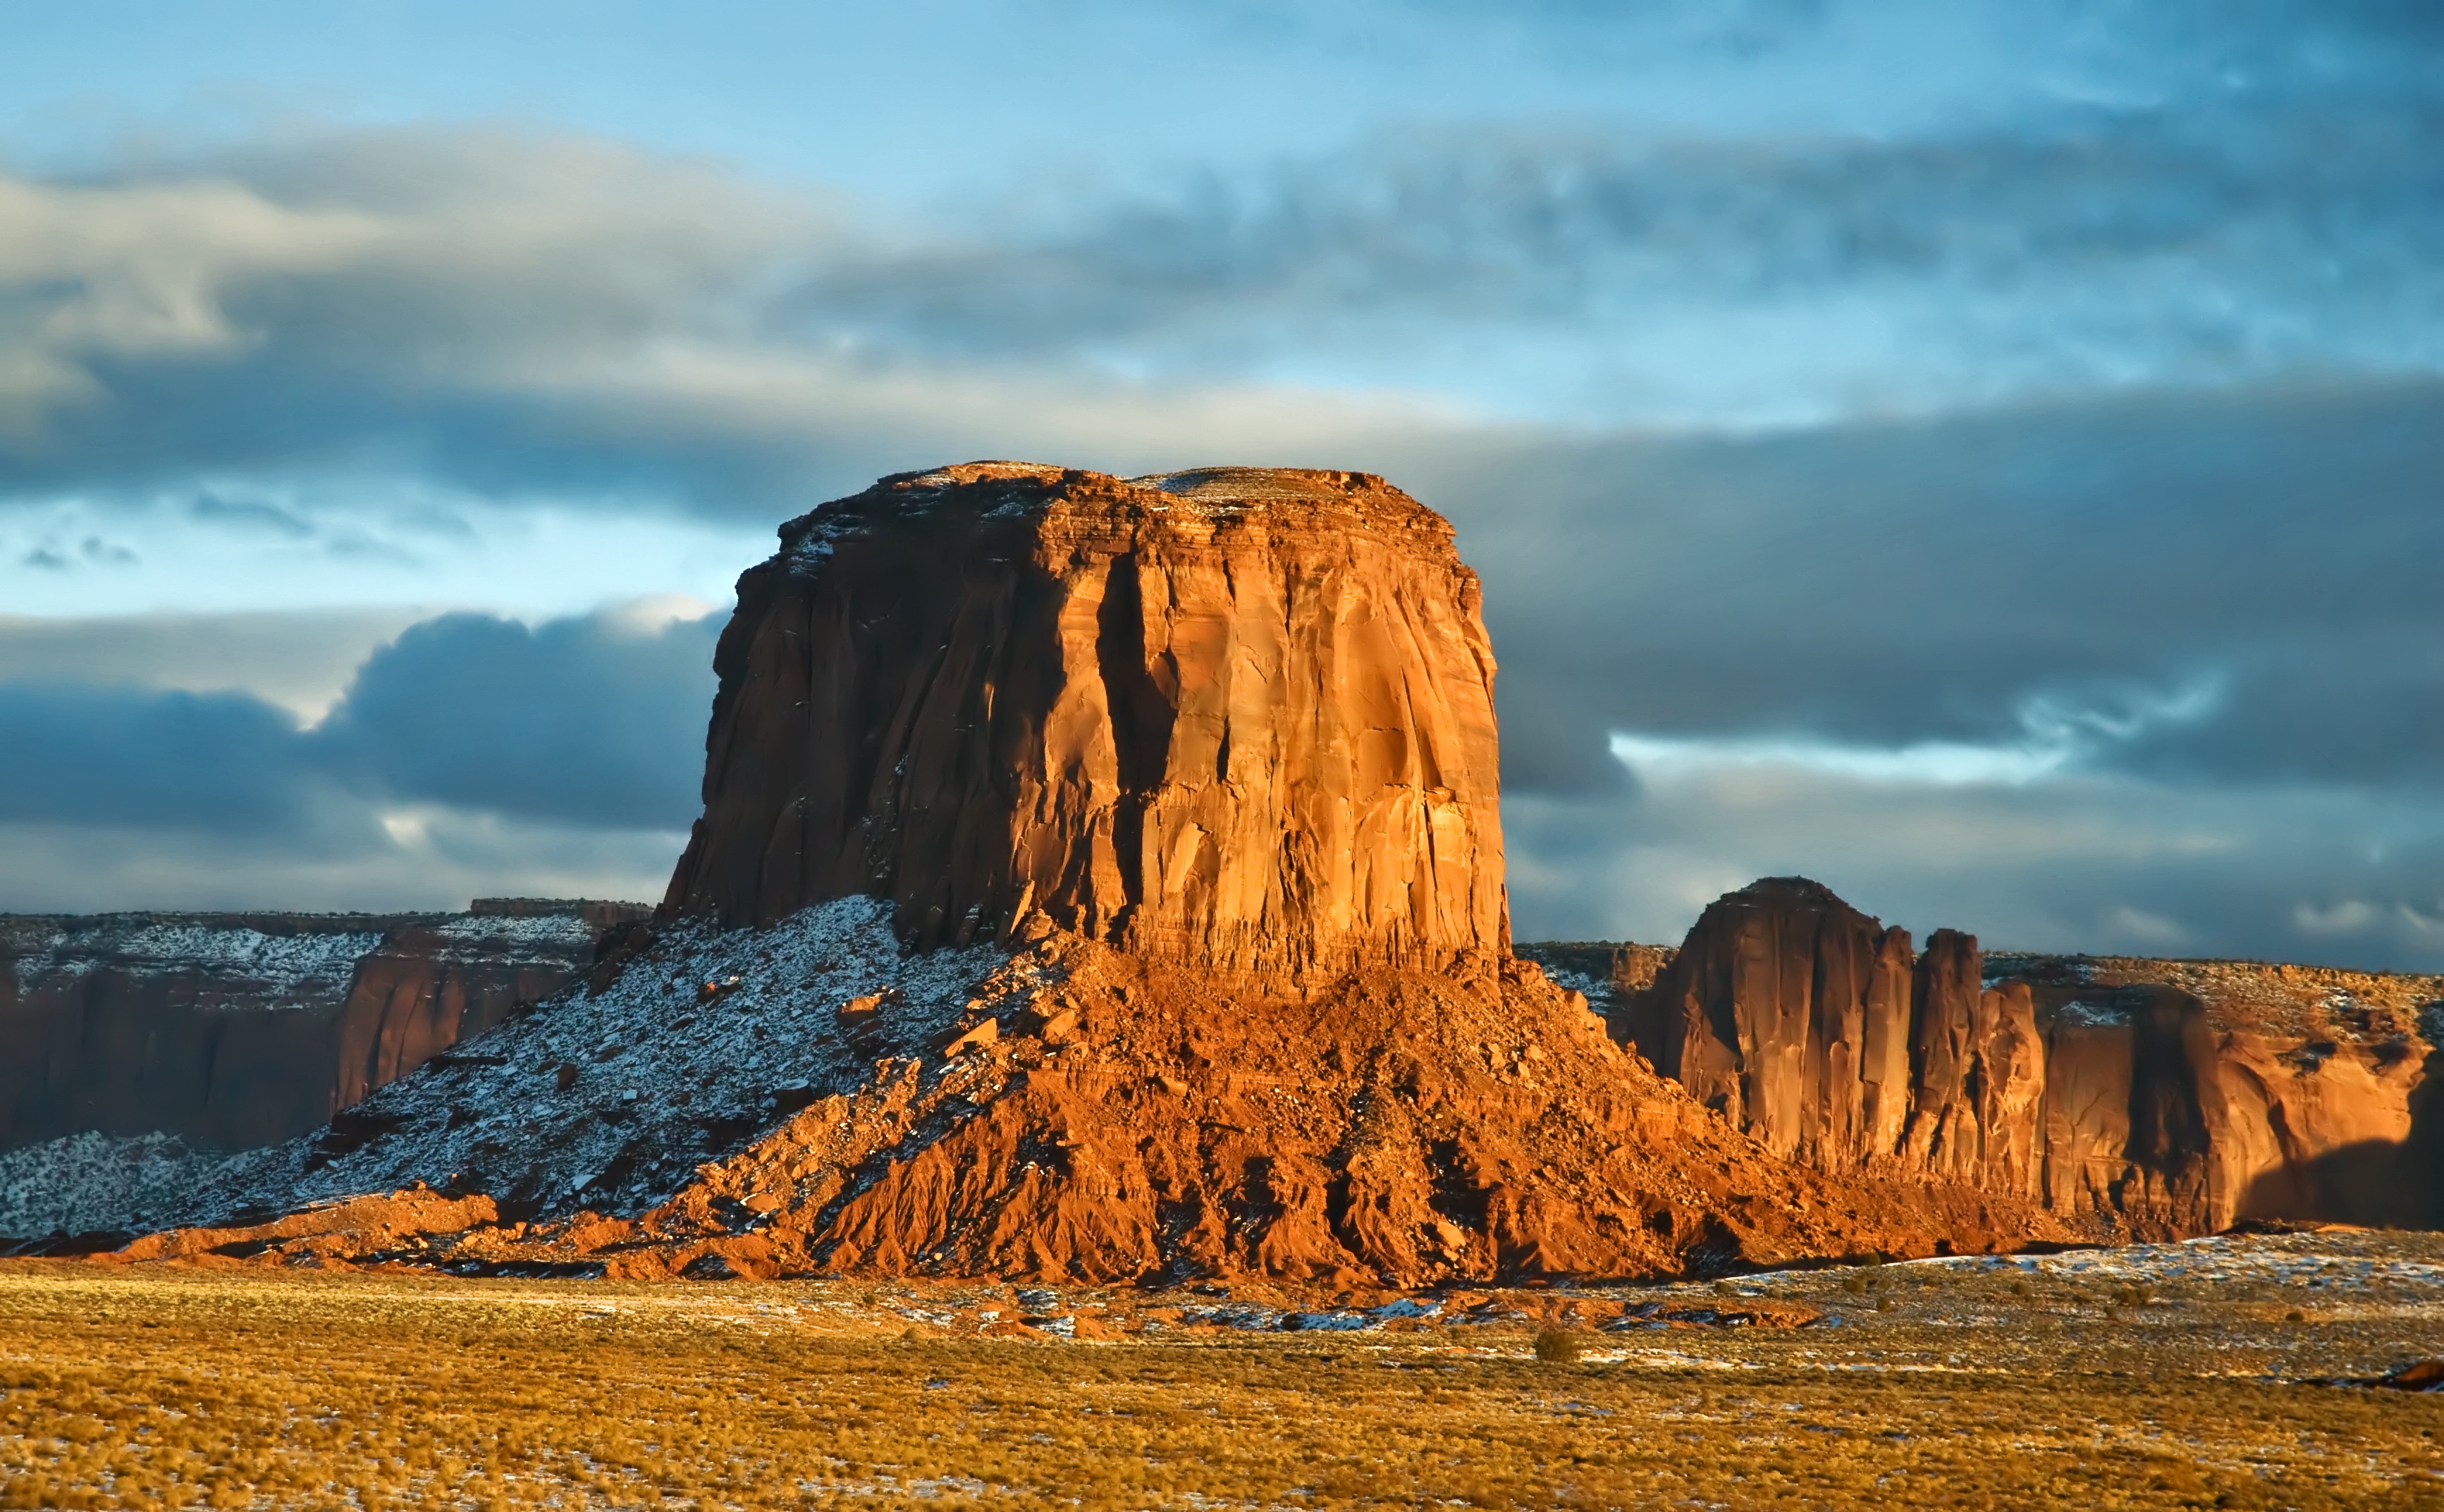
x: 232, y: 1030
x: 2156, y: 1098
x: 1236, y: 717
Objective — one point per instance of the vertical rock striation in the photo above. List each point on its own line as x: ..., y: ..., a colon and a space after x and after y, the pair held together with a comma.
x: 233, y: 1030
x: 2152, y: 1097
x: 1241, y: 718
x: 1817, y: 1030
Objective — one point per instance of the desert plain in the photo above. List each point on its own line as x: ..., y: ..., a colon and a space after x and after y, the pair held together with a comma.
x: 2197, y: 1373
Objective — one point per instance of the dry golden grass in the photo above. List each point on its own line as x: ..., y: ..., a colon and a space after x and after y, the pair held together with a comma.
x: 176, y: 1388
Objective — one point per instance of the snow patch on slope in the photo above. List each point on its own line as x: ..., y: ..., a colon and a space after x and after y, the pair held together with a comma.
x: 88, y: 1183
x: 567, y: 931
x: 284, y: 965
x: 608, y: 1101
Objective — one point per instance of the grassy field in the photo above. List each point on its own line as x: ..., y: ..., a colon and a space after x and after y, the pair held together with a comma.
x: 2171, y: 1381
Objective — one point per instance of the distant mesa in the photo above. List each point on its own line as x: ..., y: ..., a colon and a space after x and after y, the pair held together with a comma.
x: 232, y: 1030
x: 2156, y: 1098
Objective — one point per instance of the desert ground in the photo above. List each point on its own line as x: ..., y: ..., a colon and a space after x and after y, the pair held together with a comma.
x: 2186, y: 1375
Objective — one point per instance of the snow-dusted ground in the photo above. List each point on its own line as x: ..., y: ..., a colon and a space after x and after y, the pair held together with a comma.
x: 697, y: 1044
x: 557, y: 933
x: 90, y: 1182
x: 293, y: 967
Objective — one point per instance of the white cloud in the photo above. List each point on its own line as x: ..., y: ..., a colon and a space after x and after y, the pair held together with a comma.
x: 1946, y: 764
x: 2349, y: 916
x: 2058, y: 735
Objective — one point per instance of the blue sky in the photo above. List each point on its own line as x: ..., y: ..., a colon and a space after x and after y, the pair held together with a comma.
x: 1981, y: 455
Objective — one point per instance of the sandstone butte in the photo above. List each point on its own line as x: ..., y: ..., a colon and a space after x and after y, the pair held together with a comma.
x: 1207, y: 762
x: 1229, y: 735
x: 1236, y: 717
x: 2152, y: 1098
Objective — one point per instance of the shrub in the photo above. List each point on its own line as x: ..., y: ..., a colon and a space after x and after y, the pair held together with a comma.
x: 1558, y: 1346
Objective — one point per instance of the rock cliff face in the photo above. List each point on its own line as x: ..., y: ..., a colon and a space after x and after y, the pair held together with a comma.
x: 1237, y: 717
x: 2157, y: 1097
x: 233, y: 1030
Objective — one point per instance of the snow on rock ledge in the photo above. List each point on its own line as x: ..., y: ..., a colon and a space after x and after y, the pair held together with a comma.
x: 608, y: 1099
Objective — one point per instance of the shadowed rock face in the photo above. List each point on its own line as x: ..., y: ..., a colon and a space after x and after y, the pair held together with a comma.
x: 236, y: 1030
x: 1241, y: 718
x: 2155, y: 1097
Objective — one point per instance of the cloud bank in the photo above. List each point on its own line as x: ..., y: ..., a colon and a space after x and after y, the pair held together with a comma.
x: 469, y: 749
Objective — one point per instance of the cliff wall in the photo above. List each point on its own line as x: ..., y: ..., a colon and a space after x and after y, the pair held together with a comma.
x: 233, y: 1030
x: 1239, y: 718
x: 2157, y: 1097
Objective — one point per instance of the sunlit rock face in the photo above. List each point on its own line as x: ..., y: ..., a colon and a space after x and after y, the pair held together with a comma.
x: 1820, y: 1032
x: 2152, y: 1097
x: 1236, y: 717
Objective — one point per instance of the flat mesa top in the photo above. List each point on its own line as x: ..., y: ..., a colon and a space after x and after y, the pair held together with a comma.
x: 1261, y: 485
x: 1294, y: 502
x: 1008, y: 490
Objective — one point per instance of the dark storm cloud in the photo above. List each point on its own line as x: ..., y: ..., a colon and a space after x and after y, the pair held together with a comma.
x: 2164, y: 678
x: 593, y: 721
x: 2260, y: 558
x: 576, y: 720
x: 2098, y: 865
x: 177, y: 761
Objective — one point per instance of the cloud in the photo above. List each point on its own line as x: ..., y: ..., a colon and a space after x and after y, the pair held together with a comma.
x: 1961, y: 583
x: 2055, y: 738
x: 511, y: 311
x: 466, y: 754
x: 298, y: 662
x: 2095, y: 862
x: 48, y: 866
x: 501, y: 311
x: 597, y: 721
x: 173, y: 761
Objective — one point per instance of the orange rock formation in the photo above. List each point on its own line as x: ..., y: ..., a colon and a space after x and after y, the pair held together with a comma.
x: 1208, y: 761
x: 1240, y: 717
x: 2157, y: 1097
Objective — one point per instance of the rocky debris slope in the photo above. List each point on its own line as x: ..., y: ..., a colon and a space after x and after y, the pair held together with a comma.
x: 808, y: 1099
x: 232, y: 1030
x: 703, y: 1038
x: 1238, y: 716
x: 2155, y: 1097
